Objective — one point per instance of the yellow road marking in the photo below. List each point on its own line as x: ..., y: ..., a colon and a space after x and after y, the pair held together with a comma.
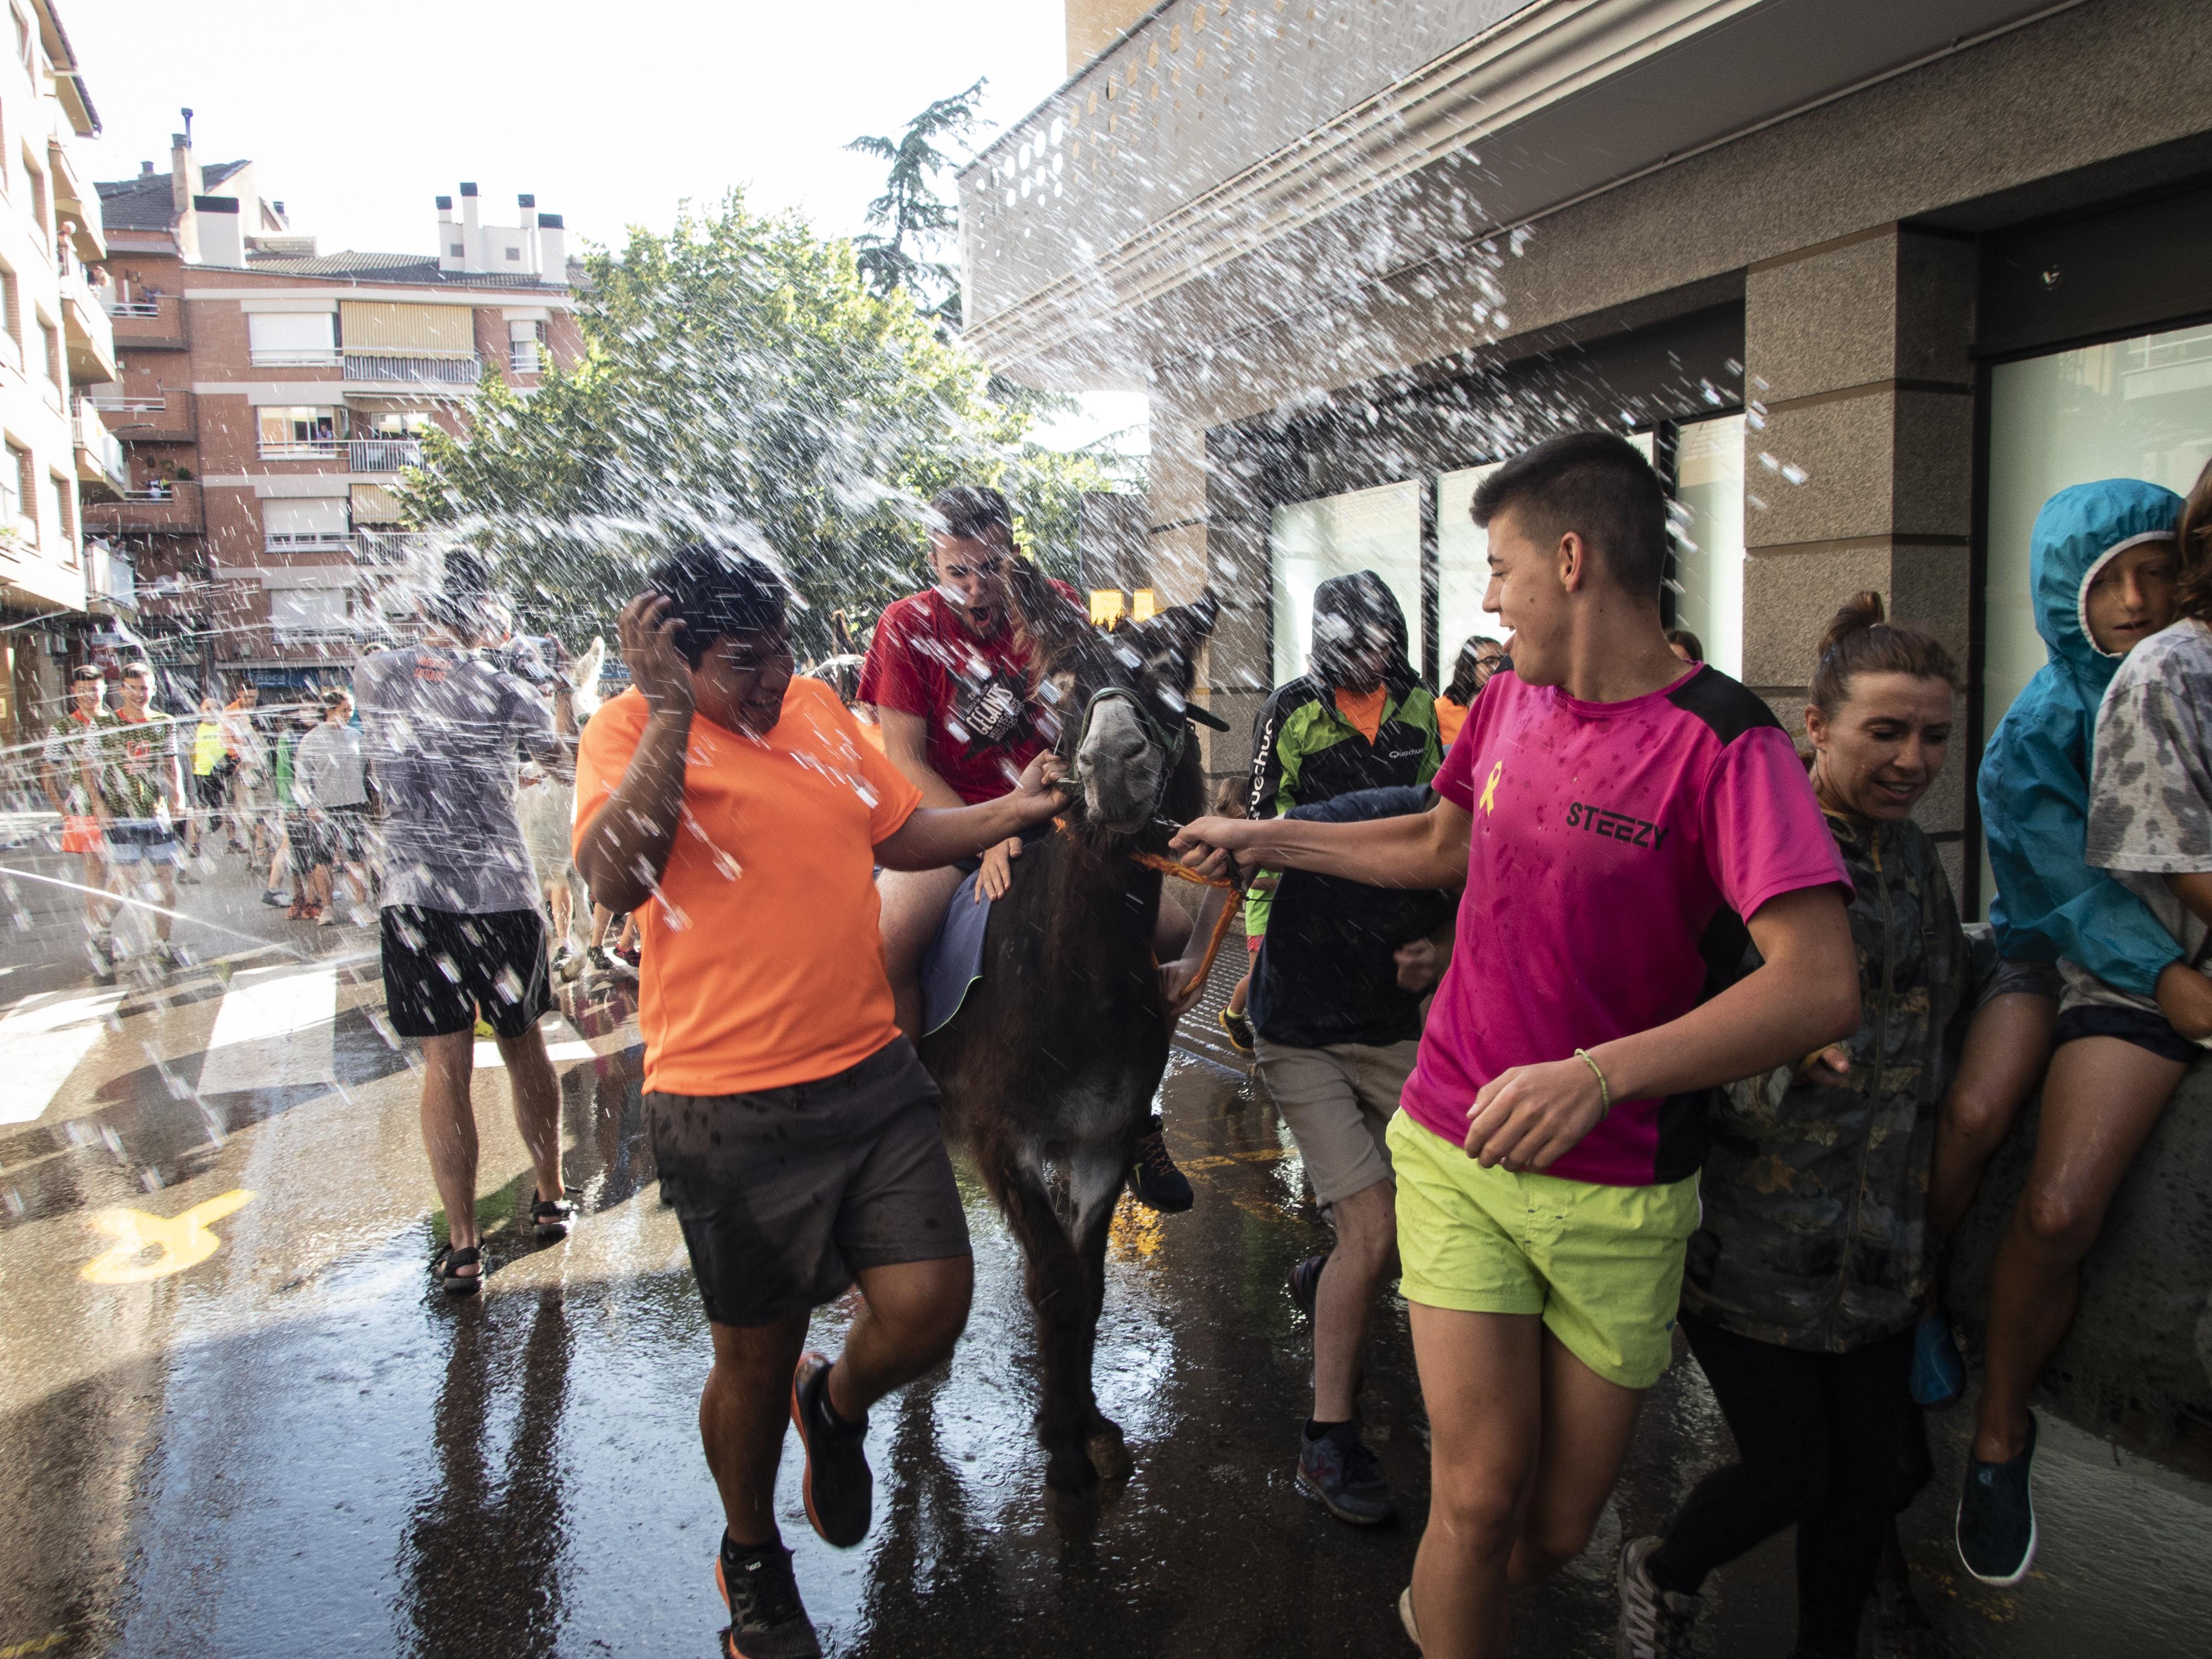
x: 184, y: 1241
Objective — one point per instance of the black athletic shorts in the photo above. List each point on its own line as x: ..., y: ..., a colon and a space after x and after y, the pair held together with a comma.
x: 785, y: 1194
x: 440, y: 968
x: 2147, y: 1030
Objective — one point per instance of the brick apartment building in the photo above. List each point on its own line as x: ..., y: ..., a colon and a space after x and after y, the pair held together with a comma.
x: 54, y: 343
x: 270, y: 396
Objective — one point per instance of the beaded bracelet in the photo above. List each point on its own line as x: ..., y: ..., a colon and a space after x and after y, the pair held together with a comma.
x: 1604, y: 1088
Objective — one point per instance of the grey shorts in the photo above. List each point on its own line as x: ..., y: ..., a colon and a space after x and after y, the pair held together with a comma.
x: 785, y: 1194
x: 1338, y: 1102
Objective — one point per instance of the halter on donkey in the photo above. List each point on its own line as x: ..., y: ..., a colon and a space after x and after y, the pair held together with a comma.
x: 1050, y: 1067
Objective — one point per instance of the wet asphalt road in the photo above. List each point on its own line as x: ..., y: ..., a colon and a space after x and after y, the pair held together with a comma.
x: 269, y: 1437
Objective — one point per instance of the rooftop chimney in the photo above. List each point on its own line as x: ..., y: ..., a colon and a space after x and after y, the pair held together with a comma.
x: 184, y: 184
x: 471, y: 230
x: 223, y: 241
x: 449, y: 236
x: 529, y: 206
x: 552, y: 245
x: 145, y: 169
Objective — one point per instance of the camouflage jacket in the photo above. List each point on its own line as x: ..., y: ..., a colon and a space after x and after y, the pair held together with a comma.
x: 1814, y: 1231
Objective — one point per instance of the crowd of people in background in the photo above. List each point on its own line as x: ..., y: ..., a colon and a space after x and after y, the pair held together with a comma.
x: 1594, y: 1004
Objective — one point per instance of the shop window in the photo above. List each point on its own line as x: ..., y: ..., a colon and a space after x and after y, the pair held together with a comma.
x: 1309, y: 542
x: 1462, y: 568
x: 2129, y: 409
x: 1708, y: 538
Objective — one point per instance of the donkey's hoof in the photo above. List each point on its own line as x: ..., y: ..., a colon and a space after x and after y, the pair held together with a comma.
x: 1110, y: 1453
x: 1071, y: 1475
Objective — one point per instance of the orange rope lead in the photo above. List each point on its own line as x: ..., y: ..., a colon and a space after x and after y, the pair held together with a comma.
x: 1168, y: 867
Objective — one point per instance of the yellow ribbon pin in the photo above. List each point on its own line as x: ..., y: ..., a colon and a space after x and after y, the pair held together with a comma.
x: 184, y: 1241
x: 1489, y: 801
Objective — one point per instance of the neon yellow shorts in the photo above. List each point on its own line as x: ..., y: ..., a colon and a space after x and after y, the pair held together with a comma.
x: 1600, y: 1265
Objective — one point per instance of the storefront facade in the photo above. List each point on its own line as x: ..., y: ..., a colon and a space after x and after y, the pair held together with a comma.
x: 1868, y: 283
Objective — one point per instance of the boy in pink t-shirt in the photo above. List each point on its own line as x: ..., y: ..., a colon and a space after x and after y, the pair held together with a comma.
x: 1621, y: 827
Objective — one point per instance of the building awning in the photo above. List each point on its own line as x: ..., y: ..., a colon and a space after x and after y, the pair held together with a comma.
x: 394, y: 329
x: 376, y: 504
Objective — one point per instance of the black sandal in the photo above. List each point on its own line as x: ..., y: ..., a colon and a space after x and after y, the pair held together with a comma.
x: 445, y: 1265
x: 551, y: 1217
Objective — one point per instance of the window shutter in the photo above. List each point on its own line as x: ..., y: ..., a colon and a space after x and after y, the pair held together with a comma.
x: 314, y: 515
x: 290, y: 331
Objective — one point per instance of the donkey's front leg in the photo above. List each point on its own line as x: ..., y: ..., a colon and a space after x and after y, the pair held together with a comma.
x: 1096, y: 1187
x: 1061, y: 1300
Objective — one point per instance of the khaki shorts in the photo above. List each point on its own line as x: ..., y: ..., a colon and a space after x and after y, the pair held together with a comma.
x: 1600, y: 1265
x: 1338, y: 1102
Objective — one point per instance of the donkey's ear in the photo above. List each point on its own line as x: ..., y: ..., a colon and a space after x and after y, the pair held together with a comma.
x: 1047, y: 615
x: 1179, y: 629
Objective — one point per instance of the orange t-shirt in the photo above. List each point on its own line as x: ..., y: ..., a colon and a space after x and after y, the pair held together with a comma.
x: 771, y: 973
x: 1450, y: 716
x: 1363, y: 709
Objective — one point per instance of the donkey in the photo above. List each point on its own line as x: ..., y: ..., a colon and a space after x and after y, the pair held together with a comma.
x: 1049, y: 1068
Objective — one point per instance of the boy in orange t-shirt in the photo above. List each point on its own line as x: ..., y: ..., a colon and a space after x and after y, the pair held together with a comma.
x: 740, y: 811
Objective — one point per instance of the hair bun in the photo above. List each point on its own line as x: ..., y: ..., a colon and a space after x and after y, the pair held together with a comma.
x: 1860, y: 612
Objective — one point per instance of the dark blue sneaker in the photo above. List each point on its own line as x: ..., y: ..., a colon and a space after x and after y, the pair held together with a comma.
x: 838, y: 1487
x: 1305, y: 1283
x: 1939, y: 1376
x: 1996, y: 1517
x: 1339, y: 1472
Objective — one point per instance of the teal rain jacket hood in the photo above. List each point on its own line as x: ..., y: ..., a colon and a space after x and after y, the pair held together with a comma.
x: 2035, y: 783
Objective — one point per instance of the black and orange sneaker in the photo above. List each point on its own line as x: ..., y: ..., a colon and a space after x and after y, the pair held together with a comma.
x: 767, y: 1619
x: 839, y: 1487
x: 1239, y: 1028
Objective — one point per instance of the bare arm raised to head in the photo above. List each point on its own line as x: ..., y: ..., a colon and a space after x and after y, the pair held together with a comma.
x: 625, y: 847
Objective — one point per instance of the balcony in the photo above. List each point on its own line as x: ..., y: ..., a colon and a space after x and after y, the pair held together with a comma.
x: 99, y: 459
x: 295, y: 356
x: 148, y: 322
x: 168, y: 419
x: 451, y: 373
x: 303, y: 449
x: 87, y: 335
x: 524, y: 357
x: 383, y: 454
x: 395, y: 548
x: 169, y: 509
x: 111, y: 578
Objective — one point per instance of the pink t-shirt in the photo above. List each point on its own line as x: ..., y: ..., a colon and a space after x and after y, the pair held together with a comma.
x: 1611, y: 840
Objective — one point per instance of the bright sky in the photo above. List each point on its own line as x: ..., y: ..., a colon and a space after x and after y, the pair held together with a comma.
x: 358, y: 116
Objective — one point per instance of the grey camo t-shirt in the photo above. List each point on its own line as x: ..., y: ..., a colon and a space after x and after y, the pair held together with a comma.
x: 444, y: 731
x: 2150, y: 789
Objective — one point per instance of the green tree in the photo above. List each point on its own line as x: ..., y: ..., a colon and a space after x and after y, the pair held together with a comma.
x: 919, y: 222
x: 740, y: 383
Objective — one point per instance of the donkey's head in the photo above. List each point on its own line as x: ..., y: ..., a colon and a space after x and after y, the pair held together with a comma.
x: 1122, y: 704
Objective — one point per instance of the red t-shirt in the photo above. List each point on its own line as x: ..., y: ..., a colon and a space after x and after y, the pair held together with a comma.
x: 975, y: 693
x: 1606, y: 838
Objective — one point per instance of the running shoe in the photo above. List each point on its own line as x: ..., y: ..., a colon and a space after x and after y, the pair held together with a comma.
x: 1344, y: 1477
x: 767, y: 1619
x: 273, y: 897
x: 1240, y: 1032
x: 838, y: 1486
x: 1154, y: 1178
x: 1405, y: 1615
x: 1997, y: 1516
x: 1655, y: 1623
x: 1939, y: 1376
x: 1305, y: 1282
x: 567, y: 964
